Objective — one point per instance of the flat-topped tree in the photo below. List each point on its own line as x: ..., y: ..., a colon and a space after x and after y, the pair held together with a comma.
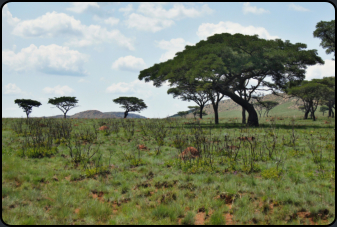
x: 130, y: 104
x: 27, y: 105
x: 225, y: 62
x: 64, y: 103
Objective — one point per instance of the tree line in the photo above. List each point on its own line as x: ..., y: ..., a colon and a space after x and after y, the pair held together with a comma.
x: 65, y: 103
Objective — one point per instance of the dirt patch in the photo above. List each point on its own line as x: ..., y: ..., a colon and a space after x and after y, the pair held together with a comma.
x: 77, y: 210
x: 189, y: 153
x: 142, y: 147
x: 165, y: 184
x: 200, y: 218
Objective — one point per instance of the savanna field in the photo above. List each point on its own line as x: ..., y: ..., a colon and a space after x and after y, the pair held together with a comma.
x: 139, y: 171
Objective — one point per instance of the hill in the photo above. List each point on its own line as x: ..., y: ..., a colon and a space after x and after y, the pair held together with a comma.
x: 99, y: 114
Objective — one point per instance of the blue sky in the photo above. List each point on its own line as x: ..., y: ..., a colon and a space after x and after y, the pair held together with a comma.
x: 95, y: 51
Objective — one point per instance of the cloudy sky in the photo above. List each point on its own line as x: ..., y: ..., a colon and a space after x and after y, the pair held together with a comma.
x: 95, y: 51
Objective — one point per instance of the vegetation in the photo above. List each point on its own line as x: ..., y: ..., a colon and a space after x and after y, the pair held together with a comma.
x: 27, y: 105
x: 132, y: 172
x: 130, y: 104
x: 325, y: 30
x: 224, y: 63
x: 64, y: 103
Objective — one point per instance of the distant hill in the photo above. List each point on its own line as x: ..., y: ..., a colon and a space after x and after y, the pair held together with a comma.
x: 99, y: 114
x: 229, y: 108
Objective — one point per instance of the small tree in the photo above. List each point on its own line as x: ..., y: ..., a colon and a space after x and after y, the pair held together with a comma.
x: 268, y: 105
x: 130, y: 104
x: 64, y: 103
x: 27, y: 105
x: 182, y: 113
x: 323, y: 109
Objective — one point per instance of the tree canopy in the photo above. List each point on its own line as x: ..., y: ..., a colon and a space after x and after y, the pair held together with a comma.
x: 27, y: 105
x: 325, y: 30
x: 64, y: 103
x: 225, y: 62
x: 311, y: 93
x: 130, y: 104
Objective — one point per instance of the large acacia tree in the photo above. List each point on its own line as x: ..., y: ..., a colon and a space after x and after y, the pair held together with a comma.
x: 130, y: 104
x: 225, y: 62
x: 325, y: 30
x: 64, y: 103
x: 27, y: 105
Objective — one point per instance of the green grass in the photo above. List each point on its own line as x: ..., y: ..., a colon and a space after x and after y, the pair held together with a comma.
x: 262, y: 184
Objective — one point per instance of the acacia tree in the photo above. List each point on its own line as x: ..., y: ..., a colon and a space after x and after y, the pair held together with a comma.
x: 329, y: 94
x: 188, y: 92
x: 323, y: 109
x: 130, y: 104
x: 183, y: 113
x: 311, y: 94
x: 64, y: 103
x: 225, y: 62
x: 268, y: 105
x: 325, y: 30
x: 27, y: 105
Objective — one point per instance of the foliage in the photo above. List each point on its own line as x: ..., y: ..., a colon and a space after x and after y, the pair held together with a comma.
x: 27, y: 105
x: 325, y: 30
x: 225, y: 62
x: 64, y: 103
x: 130, y: 104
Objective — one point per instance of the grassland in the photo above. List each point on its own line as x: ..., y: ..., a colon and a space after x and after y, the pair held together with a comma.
x: 57, y: 171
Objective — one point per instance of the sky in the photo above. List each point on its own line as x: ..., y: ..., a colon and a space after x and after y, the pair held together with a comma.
x: 95, y: 50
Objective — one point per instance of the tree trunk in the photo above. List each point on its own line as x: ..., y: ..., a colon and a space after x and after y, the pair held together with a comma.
x: 243, y: 116
x: 253, y: 119
x: 216, y: 115
x: 126, y: 114
x: 306, y: 114
x: 200, y: 113
x: 64, y: 115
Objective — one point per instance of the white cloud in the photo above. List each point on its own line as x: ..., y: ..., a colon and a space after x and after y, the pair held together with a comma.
x: 7, y: 16
x: 208, y: 29
x: 83, y: 81
x: 129, y: 63
x: 144, y: 23
x: 178, y: 11
x: 11, y: 89
x: 136, y: 87
x: 80, y: 7
x: 111, y: 21
x: 52, y: 59
x: 154, y: 17
x: 292, y: 6
x: 127, y: 9
x: 319, y: 71
x: 56, y: 24
x: 247, y: 8
x: 173, y: 46
x: 58, y: 90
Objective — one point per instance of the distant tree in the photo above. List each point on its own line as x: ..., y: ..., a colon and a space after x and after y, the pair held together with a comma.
x: 311, y: 94
x: 64, y: 103
x: 27, y: 105
x: 329, y: 93
x: 183, y: 113
x: 257, y: 104
x: 188, y: 92
x: 323, y: 109
x: 268, y: 105
x: 130, y: 104
x: 325, y: 30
